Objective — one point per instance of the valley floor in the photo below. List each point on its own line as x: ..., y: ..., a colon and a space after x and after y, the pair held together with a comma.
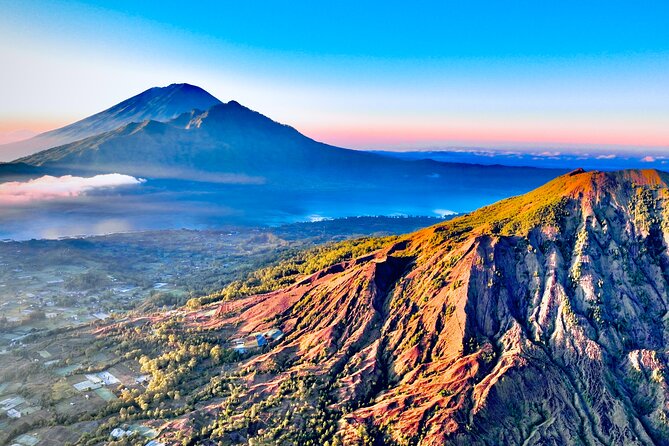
x: 56, y: 295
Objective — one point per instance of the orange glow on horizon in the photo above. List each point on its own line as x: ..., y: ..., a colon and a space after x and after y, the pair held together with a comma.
x: 415, y: 134
x: 377, y: 136
x: 34, y: 125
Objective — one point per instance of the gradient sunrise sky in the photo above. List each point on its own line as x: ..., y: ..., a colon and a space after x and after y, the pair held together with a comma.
x: 382, y: 75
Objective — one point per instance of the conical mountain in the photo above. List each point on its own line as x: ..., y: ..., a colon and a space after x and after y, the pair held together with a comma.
x: 223, y: 138
x: 158, y: 104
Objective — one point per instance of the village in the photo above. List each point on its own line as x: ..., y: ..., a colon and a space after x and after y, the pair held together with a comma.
x: 63, y: 387
x: 54, y: 295
x: 69, y: 378
x: 80, y: 379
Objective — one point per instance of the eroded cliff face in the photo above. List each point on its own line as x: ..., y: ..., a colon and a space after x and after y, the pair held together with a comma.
x: 539, y: 320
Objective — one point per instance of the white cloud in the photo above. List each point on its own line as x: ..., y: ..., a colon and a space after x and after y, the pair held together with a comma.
x: 444, y: 212
x: 54, y: 188
x: 316, y: 218
x: 648, y: 159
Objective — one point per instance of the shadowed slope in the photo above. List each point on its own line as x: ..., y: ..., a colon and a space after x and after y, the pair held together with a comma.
x: 159, y: 104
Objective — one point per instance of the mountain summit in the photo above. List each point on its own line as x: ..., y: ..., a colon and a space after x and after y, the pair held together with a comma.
x: 539, y: 320
x: 158, y: 104
x: 223, y: 138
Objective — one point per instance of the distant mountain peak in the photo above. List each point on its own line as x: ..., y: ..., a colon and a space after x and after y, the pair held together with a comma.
x: 203, y: 138
x: 182, y: 85
x: 161, y: 103
x: 156, y: 104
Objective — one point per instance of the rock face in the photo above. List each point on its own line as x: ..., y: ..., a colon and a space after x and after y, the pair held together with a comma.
x: 541, y: 319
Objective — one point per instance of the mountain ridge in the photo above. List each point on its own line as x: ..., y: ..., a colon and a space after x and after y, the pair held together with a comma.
x: 488, y: 330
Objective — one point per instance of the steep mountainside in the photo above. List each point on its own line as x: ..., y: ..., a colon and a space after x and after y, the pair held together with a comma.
x: 158, y: 104
x: 225, y: 137
x: 539, y: 320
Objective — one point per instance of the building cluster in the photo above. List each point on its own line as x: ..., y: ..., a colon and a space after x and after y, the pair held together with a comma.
x: 256, y: 340
x: 96, y: 380
x: 17, y: 406
x: 142, y: 435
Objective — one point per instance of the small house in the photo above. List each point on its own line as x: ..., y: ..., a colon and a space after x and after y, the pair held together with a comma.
x: 119, y: 433
x: 108, y: 378
x: 87, y: 385
x: 274, y: 334
x: 142, y: 379
x: 258, y: 338
x: 94, y: 379
x: 11, y: 403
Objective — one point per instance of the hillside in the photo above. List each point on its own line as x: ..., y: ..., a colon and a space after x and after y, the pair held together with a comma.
x: 538, y: 320
x: 158, y: 104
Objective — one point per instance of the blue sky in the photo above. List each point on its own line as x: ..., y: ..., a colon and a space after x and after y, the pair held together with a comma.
x: 389, y: 75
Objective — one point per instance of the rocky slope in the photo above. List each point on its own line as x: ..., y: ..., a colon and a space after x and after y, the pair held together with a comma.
x: 541, y: 319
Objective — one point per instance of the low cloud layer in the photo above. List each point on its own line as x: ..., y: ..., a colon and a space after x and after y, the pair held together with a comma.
x: 55, y: 188
x: 444, y: 212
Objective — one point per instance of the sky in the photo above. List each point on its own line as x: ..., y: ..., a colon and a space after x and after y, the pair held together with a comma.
x: 389, y: 75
